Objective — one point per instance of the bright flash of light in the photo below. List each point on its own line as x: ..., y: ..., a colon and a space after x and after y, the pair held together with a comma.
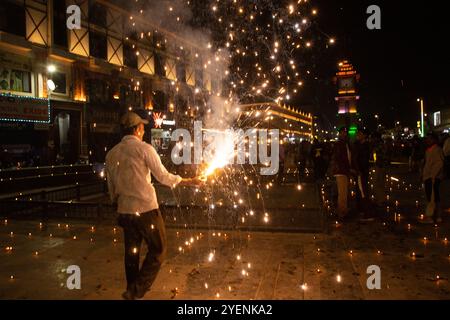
x: 222, y: 153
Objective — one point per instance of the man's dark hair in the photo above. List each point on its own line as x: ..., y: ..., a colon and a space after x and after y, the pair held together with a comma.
x: 129, y: 130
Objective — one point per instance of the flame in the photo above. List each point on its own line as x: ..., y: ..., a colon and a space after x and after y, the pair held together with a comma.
x: 221, y: 154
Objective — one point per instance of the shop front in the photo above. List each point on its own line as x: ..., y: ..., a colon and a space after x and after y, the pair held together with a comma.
x: 66, y: 132
x: 103, y: 131
x: 25, y: 127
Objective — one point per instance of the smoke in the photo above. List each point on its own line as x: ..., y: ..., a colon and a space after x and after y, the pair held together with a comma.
x: 173, y: 19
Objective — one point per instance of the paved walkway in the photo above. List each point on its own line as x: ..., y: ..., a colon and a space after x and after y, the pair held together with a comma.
x: 209, y: 264
x: 256, y: 265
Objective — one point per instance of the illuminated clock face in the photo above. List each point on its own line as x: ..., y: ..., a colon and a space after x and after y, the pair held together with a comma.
x: 346, y: 83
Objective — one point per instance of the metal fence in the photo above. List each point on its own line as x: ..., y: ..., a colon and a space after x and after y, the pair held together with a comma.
x: 310, y: 219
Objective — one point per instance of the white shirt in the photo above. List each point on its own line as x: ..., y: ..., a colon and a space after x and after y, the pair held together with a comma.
x: 128, y: 168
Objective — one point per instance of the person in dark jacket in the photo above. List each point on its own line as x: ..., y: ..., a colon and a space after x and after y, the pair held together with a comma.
x: 318, y: 160
x: 382, y: 163
x: 341, y: 171
x: 361, y: 162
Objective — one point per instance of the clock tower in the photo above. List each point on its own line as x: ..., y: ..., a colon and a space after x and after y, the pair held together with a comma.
x: 347, y: 97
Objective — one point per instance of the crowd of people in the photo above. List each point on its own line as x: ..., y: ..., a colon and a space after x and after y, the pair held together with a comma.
x: 351, y: 160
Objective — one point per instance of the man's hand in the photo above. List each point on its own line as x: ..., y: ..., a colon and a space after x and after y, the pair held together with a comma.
x: 192, y: 182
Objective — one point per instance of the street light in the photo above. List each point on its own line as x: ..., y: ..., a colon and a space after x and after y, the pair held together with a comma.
x: 51, y: 68
x: 51, y: 85
x: 422, y: 126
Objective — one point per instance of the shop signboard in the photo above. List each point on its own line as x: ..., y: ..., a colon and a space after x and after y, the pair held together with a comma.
x: 24, y: 109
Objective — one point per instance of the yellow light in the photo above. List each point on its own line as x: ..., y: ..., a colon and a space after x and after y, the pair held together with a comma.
x: 211, y: 256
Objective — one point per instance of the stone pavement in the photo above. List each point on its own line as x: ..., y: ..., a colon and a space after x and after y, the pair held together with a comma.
x: 221, y: 264
x: 229, y: 265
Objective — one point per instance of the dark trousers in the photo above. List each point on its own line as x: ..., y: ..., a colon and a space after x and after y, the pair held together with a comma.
x: 320, y: 169
x: 148, y: 226
x: 429, y: 189
x: 362, y: 193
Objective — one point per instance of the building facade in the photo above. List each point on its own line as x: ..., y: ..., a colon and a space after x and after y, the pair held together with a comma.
x: 294, y: 125
x: 113, y: 63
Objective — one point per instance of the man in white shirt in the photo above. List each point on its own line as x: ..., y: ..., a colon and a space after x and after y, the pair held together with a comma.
x: 129, y: 166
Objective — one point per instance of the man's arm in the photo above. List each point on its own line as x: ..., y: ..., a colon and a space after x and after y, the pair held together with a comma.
x: 153, y: 162
x: 110, y: 180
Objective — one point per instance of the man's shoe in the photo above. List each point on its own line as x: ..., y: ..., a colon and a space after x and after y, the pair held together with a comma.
x: 128, y: 295
x: 140, y: 292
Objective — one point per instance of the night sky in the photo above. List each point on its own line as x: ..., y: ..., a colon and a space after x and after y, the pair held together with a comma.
x: 408, y: 58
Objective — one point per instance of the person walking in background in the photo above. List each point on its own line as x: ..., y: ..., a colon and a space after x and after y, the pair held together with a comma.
x: 417, y: 154
x: 381, y: 162
x: 318, y: 160
x: 361, y: 162
x: 446, y: 150
x: 341, y: 162
x: 445, y: 185
x: 431, y: 176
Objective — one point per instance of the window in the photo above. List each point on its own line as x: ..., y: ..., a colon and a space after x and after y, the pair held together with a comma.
x: 437, y: 118
x: 97, y: 45
x: 158, y: 41
x: 15, y: 80
x: 97, y: 15
x: 98, y: 91
x: 129, y: 56
x: 160, y: 101
x: 59, y: 24
x: 159, y: 65
x: 181, y: 72
x: 59, y: 79
x: 199, y: 78
x: 12, y: 18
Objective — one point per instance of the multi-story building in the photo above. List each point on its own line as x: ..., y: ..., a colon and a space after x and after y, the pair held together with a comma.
x: 113, y: 63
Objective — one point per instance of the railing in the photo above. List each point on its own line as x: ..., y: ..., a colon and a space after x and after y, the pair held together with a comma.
x: 283, y: 219
x: 50, y: 209
x: 75, y: 192
x: 7, y: 174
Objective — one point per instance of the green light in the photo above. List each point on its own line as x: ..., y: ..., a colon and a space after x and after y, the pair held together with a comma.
x: 352, y: 131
